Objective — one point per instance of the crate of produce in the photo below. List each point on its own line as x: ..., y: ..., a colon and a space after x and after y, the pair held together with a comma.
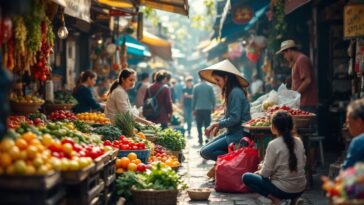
x: 75, y: 177
x: 108, y: 195
x: 36, y: 182
x: 101, y: 161
x: 108, y: 173
x: 143, y: 155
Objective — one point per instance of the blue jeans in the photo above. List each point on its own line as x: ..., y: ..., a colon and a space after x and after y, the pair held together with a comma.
x: 264, y: 186
x: 219, y: 145
x: 187, y: 115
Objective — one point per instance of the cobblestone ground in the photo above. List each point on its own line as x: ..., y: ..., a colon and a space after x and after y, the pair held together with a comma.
x: 194, y: 169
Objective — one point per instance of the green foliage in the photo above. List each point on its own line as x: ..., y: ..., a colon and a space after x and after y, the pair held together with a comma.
x: 124, y: 182
x: 63, y: 97
x: 279, y: 26
x: 126, y: 123
x: 109, y: 132
x: 83, y: 126
x: 172, y: 140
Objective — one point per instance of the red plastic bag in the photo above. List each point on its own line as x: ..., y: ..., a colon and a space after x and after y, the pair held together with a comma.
x: 231, y: 166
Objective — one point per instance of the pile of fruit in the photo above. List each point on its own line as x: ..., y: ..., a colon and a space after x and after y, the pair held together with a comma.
x: 130, y: 163
x: 30, y: 100
x: 125, y: 143
x: 93, y: 118
x: 15, y: 121
x: 161, y: 155
x: 349, y: 185
x: 61, y: 115
x: 63, y: 97
x: 259, y: 122
x: 293, y: 112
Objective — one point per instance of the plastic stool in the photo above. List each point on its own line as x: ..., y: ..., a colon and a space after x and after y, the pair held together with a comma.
x: 319, y: 140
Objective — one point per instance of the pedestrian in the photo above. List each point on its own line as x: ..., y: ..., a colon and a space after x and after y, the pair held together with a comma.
x: 178, y: 89
x: 118, y: 100
x: 303, y: 75
x: 83, y: 93
x: 186, y: 103
x: 203, y: 103
x: 282, y: 173
x: 142, y: 89
x: 355, y: 124
x: 164, y: 99
x: 237, y: 109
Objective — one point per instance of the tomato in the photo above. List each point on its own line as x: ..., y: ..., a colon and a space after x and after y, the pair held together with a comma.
x: 141, y: 167
x: 122, y: 137
x: 68, y: 140
x: 125, y: 147
x: 107, y: 143
x: 134, y: 147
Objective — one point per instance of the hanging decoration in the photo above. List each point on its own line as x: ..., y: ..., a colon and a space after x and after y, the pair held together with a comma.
x: 252, y: 52
x: 242, y: 14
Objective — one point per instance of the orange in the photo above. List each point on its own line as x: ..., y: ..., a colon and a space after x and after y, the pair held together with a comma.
x: 5, y: 160
x: 118, y: 163
x: 120, y: 170
x: 14, y: 153
x: 132, y: 167
x: 137, y: 161
x: 124, y: 162
x: 132, y: 156
x: 47, y: 140
x: 21, y: 143
x: 28, y: 136
x: 32, y: 152
x: 6, y: 144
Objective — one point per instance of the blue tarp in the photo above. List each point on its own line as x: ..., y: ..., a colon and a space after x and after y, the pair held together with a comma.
x: 134, y: 46
x: 229, y: 28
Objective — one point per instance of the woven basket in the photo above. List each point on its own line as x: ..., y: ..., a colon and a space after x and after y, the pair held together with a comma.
x: 54, y: 107
x: 154, y: 197
x: 199, y: 194
x: 24, y: 108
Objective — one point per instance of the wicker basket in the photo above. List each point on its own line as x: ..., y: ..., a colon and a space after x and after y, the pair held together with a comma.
x: 199, y: 194
x: 54, y: 107
x: 24, y: 108
x: 154, y: 197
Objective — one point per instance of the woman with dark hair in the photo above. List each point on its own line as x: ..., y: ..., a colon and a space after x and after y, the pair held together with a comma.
x: 282, y: 173
x: 161, y: 91
x: 237, y: 109
x: 83, y: 93
x: 118, y: 99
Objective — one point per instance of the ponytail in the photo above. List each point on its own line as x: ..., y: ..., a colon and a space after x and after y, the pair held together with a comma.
x: 113, y: 86
x: 124, y: 74
x: 289, y: 140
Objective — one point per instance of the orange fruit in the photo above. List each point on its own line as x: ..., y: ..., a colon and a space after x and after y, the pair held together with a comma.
x: 14, y: 153
x: 132, y: 156
x: 32, y: 152
x: 137, y: 161
x: 132, y: 167
x: 118, y: 163
x: 29, y: 136
x: 6, y: 144
x: 120, y: 170
x: 47, y: 140
x: 5, y: 160
x: 21, y: 143
x: 124, y: 162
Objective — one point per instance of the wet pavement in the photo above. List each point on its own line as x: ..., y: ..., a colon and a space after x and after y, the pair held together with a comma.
x: 194, y: 170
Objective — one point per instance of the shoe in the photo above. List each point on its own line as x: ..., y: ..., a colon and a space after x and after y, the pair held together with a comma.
x: 211, y: 172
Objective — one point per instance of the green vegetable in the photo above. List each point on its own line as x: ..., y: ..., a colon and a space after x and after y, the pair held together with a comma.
x: 172, y: 140
x: 83, y: 127
x: 108, y: 132
x: 38, y: 114
x: 126, y: 123
x: 124, y: 183
x: 64, y: 97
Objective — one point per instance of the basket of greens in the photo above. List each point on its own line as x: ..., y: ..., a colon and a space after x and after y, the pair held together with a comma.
x: 171, y: 139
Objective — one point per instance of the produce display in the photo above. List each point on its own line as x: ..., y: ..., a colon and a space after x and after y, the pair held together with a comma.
x: 172, y: 140
x: 259, y: 122
x: 108, y: 132
x: 63, y: 97
x: 126, y: 123
x: 293, y: 112
x: 15, y: 121
x: 83, y: 127
x: 161, y: 155
x: 93, y: 118
x: 125, y: 143
x: 130, y: 163
x: 60, y: 115
x: 29, y: 100
x: 348, y: 186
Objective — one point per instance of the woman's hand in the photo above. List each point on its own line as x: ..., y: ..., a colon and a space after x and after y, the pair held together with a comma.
x: 212, y: 129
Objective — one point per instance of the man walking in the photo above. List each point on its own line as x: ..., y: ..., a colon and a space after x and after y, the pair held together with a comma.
x: 303, y: 75
x: 203, y: 102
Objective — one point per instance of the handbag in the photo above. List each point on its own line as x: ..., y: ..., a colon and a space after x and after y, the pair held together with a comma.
x: 231, y: 166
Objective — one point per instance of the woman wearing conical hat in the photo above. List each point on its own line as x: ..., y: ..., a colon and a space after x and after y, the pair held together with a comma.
x: 237, y: 108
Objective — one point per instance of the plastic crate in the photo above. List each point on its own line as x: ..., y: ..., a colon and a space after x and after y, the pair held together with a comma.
x: 143, y: 155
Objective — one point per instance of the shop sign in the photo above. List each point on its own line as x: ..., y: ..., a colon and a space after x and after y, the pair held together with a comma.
x: 79, y: 9
x: 242, y: 14
x: 354, y: 21
x: 291, y: 5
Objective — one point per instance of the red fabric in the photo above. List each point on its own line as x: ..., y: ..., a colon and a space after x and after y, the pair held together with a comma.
x: 303, y: 69
x: 231, y: 166
x: 164, y: 102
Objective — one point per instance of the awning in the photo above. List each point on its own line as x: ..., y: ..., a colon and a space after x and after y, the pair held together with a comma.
x: 239, y: 17
x: 157, y: 46
x: 291, y: 5
x: 174, y: 6
x: 134, y: 46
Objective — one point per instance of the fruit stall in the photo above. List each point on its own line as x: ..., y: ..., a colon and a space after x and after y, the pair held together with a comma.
x: 66, y: 158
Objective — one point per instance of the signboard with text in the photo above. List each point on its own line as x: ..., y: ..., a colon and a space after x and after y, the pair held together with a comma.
x: 79, y: 9
x: 354, y: 21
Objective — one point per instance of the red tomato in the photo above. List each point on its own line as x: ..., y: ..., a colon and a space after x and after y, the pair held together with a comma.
x: 125, y: 147
x: 141, y: 167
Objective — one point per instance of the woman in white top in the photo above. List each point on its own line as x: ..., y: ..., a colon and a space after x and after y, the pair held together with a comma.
x: 282, y: 173
x: 118, y: 99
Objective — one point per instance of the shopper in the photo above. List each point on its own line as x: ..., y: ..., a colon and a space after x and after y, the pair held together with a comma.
x: 84, y: 94
x: 118, y: 99
x: 187, y: 104
x: 232, y: 83
x: 355, y: 123
x: 303, y: 75
x: 164, y: 99
x: 142, y: 89
x: 282, y: 173
x: 203, y: 102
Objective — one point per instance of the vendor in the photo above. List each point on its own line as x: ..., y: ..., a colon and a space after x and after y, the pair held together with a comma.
x: 282, y: 173
x: 355, y: 123
x: 118, y: 99
x: 237, y: 109
x: 83, y: 93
